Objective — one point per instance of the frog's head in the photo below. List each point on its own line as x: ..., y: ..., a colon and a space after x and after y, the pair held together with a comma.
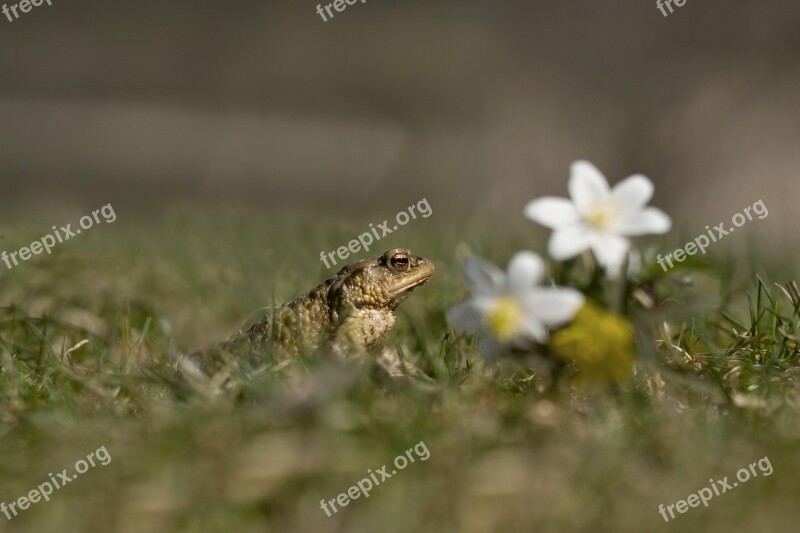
x: 381, y: 283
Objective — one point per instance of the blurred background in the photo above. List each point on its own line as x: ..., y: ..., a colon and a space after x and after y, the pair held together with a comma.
x: 477, y: 106
x: 237, y: 140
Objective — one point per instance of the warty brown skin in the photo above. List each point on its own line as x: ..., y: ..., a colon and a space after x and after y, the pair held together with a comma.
x: 353, y: 310
x: 350, y: 313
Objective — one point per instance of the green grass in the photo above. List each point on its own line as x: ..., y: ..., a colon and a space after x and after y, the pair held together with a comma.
x: 714, y: 391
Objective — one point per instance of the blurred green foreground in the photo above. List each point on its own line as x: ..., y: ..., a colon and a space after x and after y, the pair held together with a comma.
x: 507, y: 453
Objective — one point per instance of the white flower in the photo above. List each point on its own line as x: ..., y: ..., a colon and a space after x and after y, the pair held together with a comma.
x: 513, y: 309
x: 599, y: 218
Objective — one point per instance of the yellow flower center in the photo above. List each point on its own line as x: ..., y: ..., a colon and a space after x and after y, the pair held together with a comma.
x: 504, y: 319
x: 601, y: 215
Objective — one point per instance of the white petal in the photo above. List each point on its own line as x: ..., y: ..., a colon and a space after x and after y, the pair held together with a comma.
x: 566, y: 243
x: 552, y: 212
x: 610, y: 251
x: 634, y: 263
x: 586, y: 185
x: 647, y: 221
x: 490, y: 347
x: 466, y: 316
x: 524, y: 272
x: 483, y: 277
x: 534, y: 329
x: 553, y: 305
x: 633, y: 193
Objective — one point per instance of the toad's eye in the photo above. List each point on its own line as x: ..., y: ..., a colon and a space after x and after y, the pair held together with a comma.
x: 399, y: 262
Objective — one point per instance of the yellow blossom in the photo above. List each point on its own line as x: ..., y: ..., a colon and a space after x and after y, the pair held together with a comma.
x: 598, y: 343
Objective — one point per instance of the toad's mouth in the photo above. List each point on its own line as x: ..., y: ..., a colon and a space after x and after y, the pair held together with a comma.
x: 409, y: 285
x: 404, y: 284
x: 404, y: 287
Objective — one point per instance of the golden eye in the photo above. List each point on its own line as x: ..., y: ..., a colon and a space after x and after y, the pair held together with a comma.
x: 399, y: 262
